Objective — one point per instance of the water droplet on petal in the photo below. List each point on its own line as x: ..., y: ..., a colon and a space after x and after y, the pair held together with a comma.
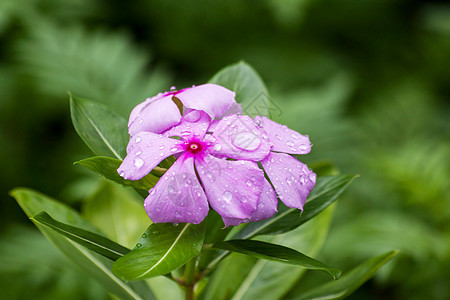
x: 122, y: 174
x: 138, y: 162
x: 138, y: 153
x: 217, y: 147
x: 138, y: 140
x: 278, y: 136
x: 174, y: 149
x: 227, y: 196
x: 173, y: 88
x: 290, y: 143
x: 247, y: 141
x: 185, y: 132
x: 193, y: 116
x: 302, y: 147
x: 313, y: 177
x: 249, y: 183
x: 161, y: 147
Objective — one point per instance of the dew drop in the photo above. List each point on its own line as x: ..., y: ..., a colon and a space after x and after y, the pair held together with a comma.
x: 302, y: 147
x: 227, y: 196
x: 249, y: 183
x: 122, y: 174
x: 290, y: 143
x: 138, y: 245
x: 144, y: 236
x: 174, y: 149
x: 138, y: 162
x: 278, y: 136
x: 171, y: 189
x: 161, y: 147
x: 313, y: 177
x: 173, y: 88
x: 185, y: 132
x: 217, y: 147
x: 155, y: 232
x: 139, y: 153
x: 138, y: 140
x: 175, y: 223
x: 247, y: 141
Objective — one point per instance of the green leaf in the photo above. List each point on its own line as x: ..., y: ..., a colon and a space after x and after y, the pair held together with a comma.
x: 162, y: 248
x: 250, y: 90
x: 117, y: 212
x: 107, y: 167
x: 92, y: 241
x: 277, y: 253
x: 326, y: 191
x: 272, y: 280
x: 93, y: 264
x: 103, y: 130
x: 349, y: 282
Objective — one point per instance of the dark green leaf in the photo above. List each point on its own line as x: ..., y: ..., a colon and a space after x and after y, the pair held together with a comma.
x: 92, y: 241
x: 103, y: 130
x: 250, y: 90
x: 162, y: 248
x: 274, y: 252
x: 326, y: 191
x: 107, y: 167
x: 349, y: 282
x: 93, y: 264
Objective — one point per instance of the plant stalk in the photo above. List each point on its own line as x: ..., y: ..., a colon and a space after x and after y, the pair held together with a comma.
x: 189, y: 279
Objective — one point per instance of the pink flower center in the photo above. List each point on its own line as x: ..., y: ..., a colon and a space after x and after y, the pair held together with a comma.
x: 194, y: 147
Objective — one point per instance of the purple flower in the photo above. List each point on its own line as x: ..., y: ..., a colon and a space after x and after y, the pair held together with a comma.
x: 217, y: 151
x: 159, y: 113
x: 202, y: 173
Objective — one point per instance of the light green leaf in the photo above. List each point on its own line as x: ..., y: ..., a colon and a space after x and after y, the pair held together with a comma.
x: 250, y: 90
x: 107, y: 167
x: 272, y: 280
x: 162, y: 248
x: 349, y: 282
x: 102, y: 129
x: 92, y: 241
x: 277, y: 253
x: 326, y: 191
x: 118, y: 212
x: 93, y: 264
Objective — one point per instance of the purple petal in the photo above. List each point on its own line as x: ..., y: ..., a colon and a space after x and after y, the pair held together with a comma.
x: 284, y: 139
x: 292, y: 179
x: 137, y: 110
x: 194, y: 122
x: 234, y: 109
x: 144, y: 152
x: 238, y: 137
x: 267, y: 205
x: 156, y: 116
x: 210, y: 98
x: 178, y: 196
x: 234, y: 221
x: 233, y: 187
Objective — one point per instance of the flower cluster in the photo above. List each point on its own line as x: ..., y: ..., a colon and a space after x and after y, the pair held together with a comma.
x: 219, y: 152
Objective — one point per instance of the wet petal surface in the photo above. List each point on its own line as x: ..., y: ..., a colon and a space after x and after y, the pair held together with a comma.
x: 238, y: 137
x: 267, y: 205
x: 284, y: 139
x: 292, y: 179
x: 145, y: 151
x: 193, y: 123
x: 233, y: 187
x: 178, y: 196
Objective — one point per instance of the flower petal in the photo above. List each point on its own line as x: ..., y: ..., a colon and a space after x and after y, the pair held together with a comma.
x: 195, y: 122
x: 138, y: 108
x: 267, y: 205
x: 144, y: 152
x: 233, y: 187
x: 156, y: 116
x: 292, y: 179
x: 210, y: 98
x: 178, y: 196
x: 234, y: 221
x: 284, y: 139
x: 238, y: 137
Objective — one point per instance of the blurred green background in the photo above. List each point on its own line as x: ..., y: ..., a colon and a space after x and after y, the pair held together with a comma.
x: 368, y: 80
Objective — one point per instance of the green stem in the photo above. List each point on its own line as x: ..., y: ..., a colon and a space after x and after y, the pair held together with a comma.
x: 189, y: 279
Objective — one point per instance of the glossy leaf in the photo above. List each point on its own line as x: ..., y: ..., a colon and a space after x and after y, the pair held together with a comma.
x: 90, y: 240
x: 162, y: 248
x: 103, y: 130
x: 349, y: 282
x: 250, y: 90
x: 117, y: 212
x: 93, y: 264
x: 326, y: 191
x: 277, y: 253
x: 272, y: 280
x: 107, y: 167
